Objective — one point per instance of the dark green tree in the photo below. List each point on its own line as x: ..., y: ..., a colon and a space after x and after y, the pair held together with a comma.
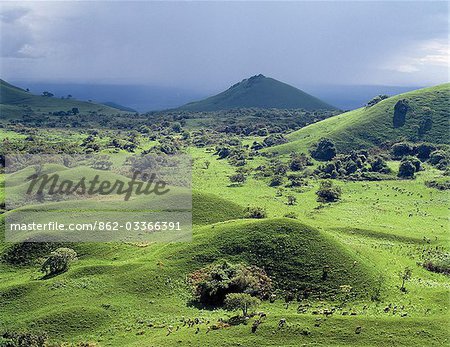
x: 406, y: 169
x: 323, y: 150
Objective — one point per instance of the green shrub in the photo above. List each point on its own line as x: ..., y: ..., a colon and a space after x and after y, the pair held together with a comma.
x: 438, y: 157
x: 274, y: 140
x: 400, y: 110
x: 416, y: 162
x: 424, y: 150
x: 401, y: 149
x: 23, y: 339
x: 291, y: 200
x: 255, y: 212
x: 241, y: 301
x: 438, y: 265
x: 438, y: 184
x: 238, y: 178
x: 405, y: 275
x: 378, y: 164
x: 406, y: 169
x: 377, y: 99
x: 328, y: 192
x: 276, y: 181
x: 211, y: 284
x: 299, y: 162
x: 296, y: 181
x: 58, y: 261
x: 26, y: 253
x: 323, y: 150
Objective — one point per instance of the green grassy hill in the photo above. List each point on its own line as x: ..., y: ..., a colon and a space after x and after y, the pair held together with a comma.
x: 262, y: 92
x: 294, y: 254
x: 211, y: 209
x: 126, y: 281
x: 15, y: 102
x: 427, y: 119
x: 131, y: 293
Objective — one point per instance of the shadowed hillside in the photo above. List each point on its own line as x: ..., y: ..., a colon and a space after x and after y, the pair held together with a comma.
x: 259, y: 91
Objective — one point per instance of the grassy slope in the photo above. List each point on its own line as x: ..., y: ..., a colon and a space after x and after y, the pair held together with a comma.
x: 14, y: 102
x: 259, y: 91
x: 368, y: 127
x: 128, y: 294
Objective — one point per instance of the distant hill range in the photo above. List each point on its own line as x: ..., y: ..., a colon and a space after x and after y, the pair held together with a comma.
x: 119, y: 107
x: 15, y: 102
x: 262, y: 92
x: 420, y: 115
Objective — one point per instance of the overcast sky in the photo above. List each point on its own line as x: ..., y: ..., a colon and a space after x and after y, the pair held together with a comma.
x: 211, y: 45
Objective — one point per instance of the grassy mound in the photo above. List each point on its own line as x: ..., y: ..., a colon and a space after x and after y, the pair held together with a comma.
x: 294, y: 254
x: 426, y: 120
x: 208, y: 209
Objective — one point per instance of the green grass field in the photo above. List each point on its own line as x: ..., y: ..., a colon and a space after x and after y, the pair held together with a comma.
x: 129, y: 294
x: 136, y: 293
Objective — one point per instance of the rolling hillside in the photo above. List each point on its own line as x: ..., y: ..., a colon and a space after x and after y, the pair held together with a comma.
x: 427, y: 118
x: 15, y: 102
x: 262, y: 92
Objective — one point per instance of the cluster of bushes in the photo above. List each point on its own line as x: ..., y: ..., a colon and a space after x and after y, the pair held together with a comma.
x: 438, y: 184
x: 362, y: 166
x: 203, y: 137
x: 299, y: 162
x: 211, y: 284
x: 255, y: 212
x: 128, y: 141
x: 27, y: 253
x: 36, y: 144
x: 437, y: 156
x: 238, y: 178
x: 269, y: 141
x: 275, y: 170
x: 23, y: 339
x: 250, y: 121
x: 356, y: 165
x: 74, y: 111
x: 168, y: 145
x: 236, y: 156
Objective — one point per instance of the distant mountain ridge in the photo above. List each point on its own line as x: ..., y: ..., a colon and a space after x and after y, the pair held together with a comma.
x: 262, y: 92
x: 119, y: 107
x: 142, y: 98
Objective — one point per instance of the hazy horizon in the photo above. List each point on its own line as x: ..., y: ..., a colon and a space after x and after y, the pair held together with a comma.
x: 145, y: 98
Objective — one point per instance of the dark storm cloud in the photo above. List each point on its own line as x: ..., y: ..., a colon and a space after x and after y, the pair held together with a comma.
x: 15, y: 35
x: 210, y: 45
